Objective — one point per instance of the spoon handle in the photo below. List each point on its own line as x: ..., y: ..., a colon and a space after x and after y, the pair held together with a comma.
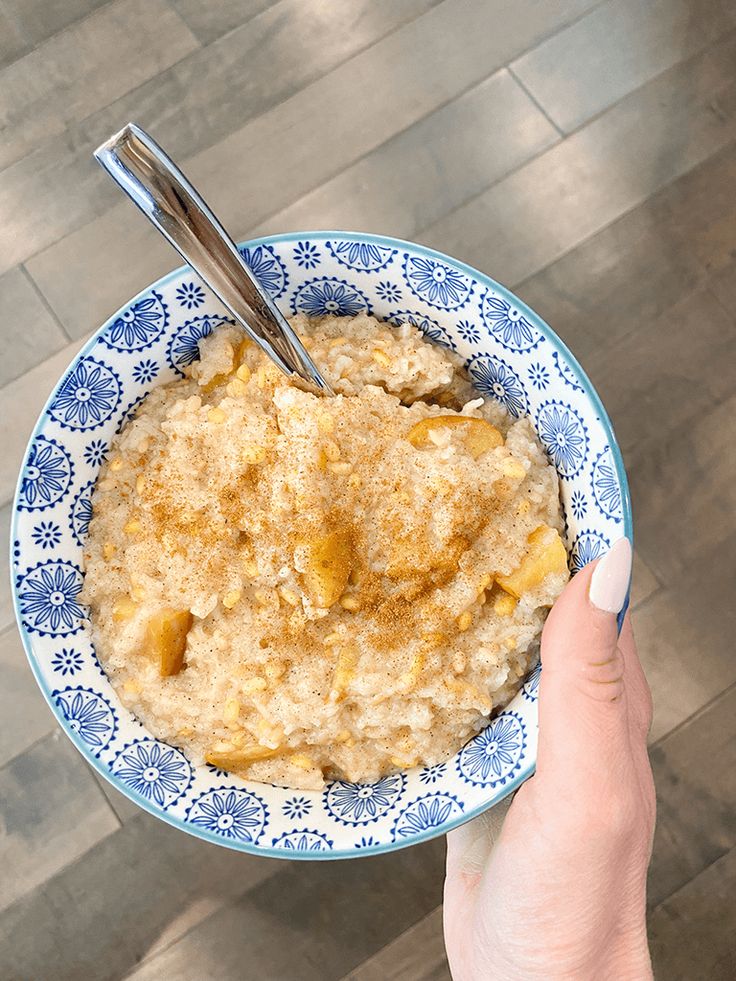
x: 151, y: 178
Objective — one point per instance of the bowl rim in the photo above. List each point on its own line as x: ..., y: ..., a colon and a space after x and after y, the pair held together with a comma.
x: 266, y: 240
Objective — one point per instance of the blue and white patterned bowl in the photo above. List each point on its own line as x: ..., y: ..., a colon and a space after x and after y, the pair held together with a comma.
x: 511, y: 354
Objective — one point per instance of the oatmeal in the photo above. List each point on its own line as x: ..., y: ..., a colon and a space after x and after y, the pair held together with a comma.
x: 296, y: 587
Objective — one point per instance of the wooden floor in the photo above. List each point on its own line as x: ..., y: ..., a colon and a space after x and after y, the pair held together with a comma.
x: 583, y: 152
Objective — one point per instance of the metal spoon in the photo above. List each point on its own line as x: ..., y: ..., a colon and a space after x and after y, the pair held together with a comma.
x: 154, y: 182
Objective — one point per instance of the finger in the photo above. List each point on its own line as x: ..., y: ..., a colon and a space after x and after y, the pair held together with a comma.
x: 638, y: 695
x: 582, y: 706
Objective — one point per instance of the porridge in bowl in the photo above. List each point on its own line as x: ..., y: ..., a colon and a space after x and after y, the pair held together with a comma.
x: 296, y: 588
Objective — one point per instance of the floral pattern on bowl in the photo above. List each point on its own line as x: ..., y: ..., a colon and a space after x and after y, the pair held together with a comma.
x: 512, y: 356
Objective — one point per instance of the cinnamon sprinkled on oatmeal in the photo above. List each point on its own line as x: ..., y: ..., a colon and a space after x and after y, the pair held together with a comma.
x: 305, y: 580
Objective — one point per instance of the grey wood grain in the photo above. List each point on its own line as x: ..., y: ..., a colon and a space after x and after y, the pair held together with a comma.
x: 723, y: 285
x: 26, y: 23
x: 625, y: 275
x: 52, y: 812
x: 685, y: 631
x: 705, y: 204
x: 416, y: 955
x: 91, y: 64
x: 198, y: 101
x: 277, y: 159
x: 13, y: 40
x: 303, y: 923
x: 30, y: 332
x: 613, y: 50
x: 21, y: 401
x: 25, y: 715
x: 136, y: 891
x: 277, y: 156
x: 209, y: 21
x: 642, y: 377
x: 550, y: 205
x: 120, y: 252
x: 430, y: 168
x: 644, y: 582
x: 691, y: 933
x: 253, y: 68
x: 683, y: 492
x: 695, y: 776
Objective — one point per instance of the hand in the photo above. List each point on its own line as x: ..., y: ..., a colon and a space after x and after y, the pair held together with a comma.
x: 559, y: 891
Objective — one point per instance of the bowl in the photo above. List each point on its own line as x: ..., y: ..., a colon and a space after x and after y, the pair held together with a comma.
x: 511, y: 355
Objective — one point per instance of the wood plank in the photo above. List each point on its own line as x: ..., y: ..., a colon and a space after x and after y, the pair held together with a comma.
x: 613, y: 50
x: 695, y: 776
x: 134, y: 892
x: 645, y: 262
x: 683, y: 492
x: 429, y: 169
x: 691, y: 934
x: 83, y: 68
x: 417, y: 955
x: 21, y: 402
x: 703, y: 204
x: 281, y: 155
x: 13, y: 40
x: 308, y: 922
x: 25, y: 714
x: 569, y: 193
x: 52, y: 812
x: 458, y: 38
x: 641, y: 377
x: 723, y: 285
x: 119, y: 252
x: 644, y: 582
x: 31, y: 332
x: 209, y: 21
x: 627, y: 274
x: 685, y: 632
x: 189, y: 106
x: 26, y: 23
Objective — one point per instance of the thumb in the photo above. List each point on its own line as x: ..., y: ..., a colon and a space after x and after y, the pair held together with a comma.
x: 583, y: 712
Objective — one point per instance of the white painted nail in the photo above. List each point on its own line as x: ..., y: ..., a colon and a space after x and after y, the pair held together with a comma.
x: 610, y: 580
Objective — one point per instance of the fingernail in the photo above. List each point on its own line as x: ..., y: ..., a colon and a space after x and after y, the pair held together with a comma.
x: 609, y: 583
